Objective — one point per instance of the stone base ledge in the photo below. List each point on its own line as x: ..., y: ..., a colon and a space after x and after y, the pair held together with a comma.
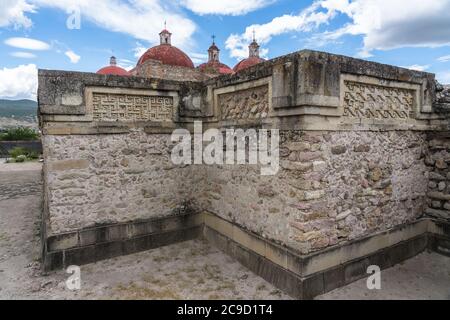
x: 301, y: 276
x: 306, y: 265
x: 306, y: 276
x: 307, y: 287
x: 104, y: 242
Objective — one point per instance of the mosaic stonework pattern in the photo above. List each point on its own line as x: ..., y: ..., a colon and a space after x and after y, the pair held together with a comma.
x: 245, y: 104
x: 369, y: 101
x: 127, y: 107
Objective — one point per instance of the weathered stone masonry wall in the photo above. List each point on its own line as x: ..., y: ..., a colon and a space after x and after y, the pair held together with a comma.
x: 332, y: 187
x: 106, y: 179
x: 107, y: 148
x: 438, y: 162
x: 354, y: 149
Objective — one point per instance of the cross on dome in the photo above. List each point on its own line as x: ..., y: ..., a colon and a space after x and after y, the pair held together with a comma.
x: 253, y: 48
x: 213, y: 51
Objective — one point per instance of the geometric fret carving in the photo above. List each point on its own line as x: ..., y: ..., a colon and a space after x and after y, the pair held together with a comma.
x: 129, y: 107
x: 362, y: 100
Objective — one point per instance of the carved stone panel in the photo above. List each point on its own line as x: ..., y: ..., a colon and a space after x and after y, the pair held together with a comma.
x: 131, y: 107
x: 250, y: 103
x: 371, y: 101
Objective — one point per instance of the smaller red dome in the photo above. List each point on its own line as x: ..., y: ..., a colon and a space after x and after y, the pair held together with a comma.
x: 247, y: 63
x: 113, y: 69
x: 215, y: 67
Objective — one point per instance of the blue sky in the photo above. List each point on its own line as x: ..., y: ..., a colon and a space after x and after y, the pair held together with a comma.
x: 34, y: 33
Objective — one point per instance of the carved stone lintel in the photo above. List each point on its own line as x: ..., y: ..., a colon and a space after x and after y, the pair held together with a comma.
x: 127, y: 107
x: 363, y: 100
x: 245, y: 104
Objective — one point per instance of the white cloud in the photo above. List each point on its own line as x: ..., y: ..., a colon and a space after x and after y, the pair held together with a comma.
x: 224, y: 7
x: 139, y: 50
x: 305, y: 21
x: 126, y: 67
x: 125, y: 64
x: 444, y: 59
x: 142, y: 19
x: 27, y: 43
x: 418, y: 67
x: 13, y: 13
x: 198, y: 58
x: 19, y: 83
x: 391, y: 24
x: 73, y: 57
x: 383, y: 24
x: 443, y: 77
x: 24, y: 55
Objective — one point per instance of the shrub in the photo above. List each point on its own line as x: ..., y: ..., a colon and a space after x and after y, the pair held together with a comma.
x: 19, y: 134
x: 17, y: 151
x: 20, y: 154
x: 33, y: 155
x: 21, y: 158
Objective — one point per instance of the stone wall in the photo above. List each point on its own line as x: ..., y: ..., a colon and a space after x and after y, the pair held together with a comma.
x: 354, y: 149
x: 107, y: 148
x: 438, y: 162
x: 106, y: 179
x: 332, y: 187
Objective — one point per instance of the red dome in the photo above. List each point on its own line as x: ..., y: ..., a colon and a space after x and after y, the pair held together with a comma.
x: 247, y: 63
x: 167, y: 54
x: 215, y: 66
x: 114, y: 70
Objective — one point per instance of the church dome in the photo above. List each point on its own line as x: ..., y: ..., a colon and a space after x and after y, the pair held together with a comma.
x: 113, y: 69
x: 214, y: 66
x: 166, y: 53
x: 253, y: 57
x: 247, y: 63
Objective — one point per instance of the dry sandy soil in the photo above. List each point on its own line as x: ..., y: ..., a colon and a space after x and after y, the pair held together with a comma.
x: 189, y: 270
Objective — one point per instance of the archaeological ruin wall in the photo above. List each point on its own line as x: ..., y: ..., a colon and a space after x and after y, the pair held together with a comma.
x: 363, y: 168
x: 352, y: 153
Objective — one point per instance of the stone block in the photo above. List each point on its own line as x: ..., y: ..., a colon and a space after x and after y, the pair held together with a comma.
x: 296, y: 166
x: 108, y: 250
x: 117, y: 232
x: 249, y: 241
x: 313, y: 286
x: 277, y: 255
x: 314, y: 195
x: 63, y: 165
x: 53, y: 260
x: 62, y: 242
x: 80, y: 256
x: 333, y: 278
x: 88, y: 237
x: 356, y: 270
x: 339, y: 149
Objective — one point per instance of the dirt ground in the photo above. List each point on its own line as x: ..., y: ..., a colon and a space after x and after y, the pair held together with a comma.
x: 424, y: 277
x: 189, y: 270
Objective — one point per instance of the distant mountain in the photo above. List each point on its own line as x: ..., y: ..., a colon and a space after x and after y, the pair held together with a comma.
x: 18, y: 109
